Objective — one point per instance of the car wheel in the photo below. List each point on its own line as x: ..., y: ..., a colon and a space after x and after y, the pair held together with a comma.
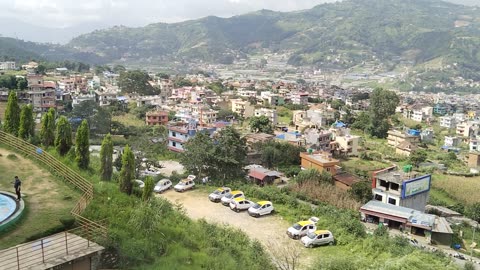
x: 257, y: 215
x: 310, y: 246
x: 296, y: 237
x: 330, y: 243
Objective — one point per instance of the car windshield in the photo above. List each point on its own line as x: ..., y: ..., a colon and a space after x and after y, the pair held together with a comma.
x: 256, y: 206
x: 217, y: 192
x: 229, y: 195
x: 297, y: 226
x: 311, y: 235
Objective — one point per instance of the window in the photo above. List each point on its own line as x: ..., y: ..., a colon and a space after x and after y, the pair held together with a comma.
x: 326, y: 235
x: 174, y: 144
x: 378, y: 197
x: 384, y: 184
x: 328, y: 169
x: 174, y: 134
x: 392, y: 201
x: 394, y: 186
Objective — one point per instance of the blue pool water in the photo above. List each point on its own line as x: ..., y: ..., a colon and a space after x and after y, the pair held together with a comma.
x: 7, y: 207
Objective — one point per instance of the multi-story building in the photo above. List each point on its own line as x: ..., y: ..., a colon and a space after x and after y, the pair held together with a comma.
x: 440, y: 109
x: 321, y: 161
x: 318, y: 140
x: 417, y: 116
x: 299, y: 98
x: 395, y: 137
x: 343, y: 142
x: 41, y: 94
x: 8, y: 65
x: 156, y: 118
x: 474, y: 145
x: 180, y: 132
x: 401, y: 188
x: 242, y: 107
x: 105, y: 98
x: 271, y: 114
x: 447, y: 121
x: 451, y: 141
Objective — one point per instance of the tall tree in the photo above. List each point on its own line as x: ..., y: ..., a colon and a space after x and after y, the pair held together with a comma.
x: 127, y: 173
x: 135, y: 81
x: 27, y: 123
x: 418, y: 156
x: 12, y: 114
x: 47, y: 133
x: 106, y: 158
x: 199, y: 153
x: 82, y: 144
x: 63, y: 137
x: 230, y: 153
x: 261, y: 124
x: 382, y: 107
x: 148, y: 189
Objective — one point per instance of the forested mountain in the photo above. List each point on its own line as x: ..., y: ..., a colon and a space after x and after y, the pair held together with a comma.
x: 24, y: 51
x: 341, y: 34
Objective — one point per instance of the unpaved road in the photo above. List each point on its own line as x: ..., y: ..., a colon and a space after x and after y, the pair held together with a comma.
x: 269, y: 230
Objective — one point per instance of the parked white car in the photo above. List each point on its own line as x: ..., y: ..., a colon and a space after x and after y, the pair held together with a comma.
x: 301, y: 229
x: 184, y: 185
x: 240, y: 204
x: 162, y: 186
x: 317, y: 238
x: 230, y: 196
x: 139, y: 183
x: 218, y: 194
x: 261, y: 208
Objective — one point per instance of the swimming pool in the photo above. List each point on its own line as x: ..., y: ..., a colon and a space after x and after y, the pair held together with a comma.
x: 8, y: 205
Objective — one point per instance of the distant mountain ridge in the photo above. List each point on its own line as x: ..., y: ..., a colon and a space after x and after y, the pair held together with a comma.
x: 339, y: 35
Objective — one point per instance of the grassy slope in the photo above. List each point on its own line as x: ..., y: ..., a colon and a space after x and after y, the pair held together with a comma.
x: 47, y: 199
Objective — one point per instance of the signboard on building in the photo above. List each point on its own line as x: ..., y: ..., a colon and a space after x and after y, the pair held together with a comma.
x: 416, y: 186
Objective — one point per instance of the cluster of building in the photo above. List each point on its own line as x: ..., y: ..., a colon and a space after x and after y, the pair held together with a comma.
x: 399, y: 198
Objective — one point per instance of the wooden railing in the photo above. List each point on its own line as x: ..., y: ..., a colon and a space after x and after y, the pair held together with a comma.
x: 96, y: 230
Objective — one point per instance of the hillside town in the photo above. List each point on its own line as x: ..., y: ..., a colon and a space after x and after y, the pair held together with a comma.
x: 428, y: 134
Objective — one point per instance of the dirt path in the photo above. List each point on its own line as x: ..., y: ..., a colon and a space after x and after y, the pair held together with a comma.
x: 269, y: 230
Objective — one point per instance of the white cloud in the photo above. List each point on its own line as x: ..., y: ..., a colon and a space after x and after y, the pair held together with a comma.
x: 64, y: 13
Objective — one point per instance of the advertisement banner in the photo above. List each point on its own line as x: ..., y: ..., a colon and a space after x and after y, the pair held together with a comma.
x: 416, y: 186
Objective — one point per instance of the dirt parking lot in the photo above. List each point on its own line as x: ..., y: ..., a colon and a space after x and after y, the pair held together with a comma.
x: 269, y: 230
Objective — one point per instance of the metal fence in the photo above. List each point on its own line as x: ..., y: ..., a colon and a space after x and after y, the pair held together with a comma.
x: 40, y: 251
x: 52, y: 250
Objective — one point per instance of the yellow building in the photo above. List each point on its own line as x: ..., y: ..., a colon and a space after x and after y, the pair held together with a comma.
x: 322, y: 161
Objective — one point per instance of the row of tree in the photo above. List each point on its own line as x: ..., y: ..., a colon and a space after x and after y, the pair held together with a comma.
x: 57, y: 131
x: 12, y: 82
x: 54, y: 132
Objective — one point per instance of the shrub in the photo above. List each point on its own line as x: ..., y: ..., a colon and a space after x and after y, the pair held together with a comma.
x: 12, y: 157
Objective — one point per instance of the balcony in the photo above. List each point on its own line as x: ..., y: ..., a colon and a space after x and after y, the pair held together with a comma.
x: 176, y: 139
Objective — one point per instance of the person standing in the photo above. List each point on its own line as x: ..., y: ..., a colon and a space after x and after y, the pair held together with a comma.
x: 17, y: 185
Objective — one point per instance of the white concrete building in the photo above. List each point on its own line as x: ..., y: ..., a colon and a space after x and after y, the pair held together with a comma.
x: 447, y: 121
x: 474, y: 145
x: 417, y: 116
x: 271, y: 114
x: 452, y: 141
x: 9, y: 65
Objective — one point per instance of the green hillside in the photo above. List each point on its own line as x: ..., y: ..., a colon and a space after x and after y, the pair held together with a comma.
x: 339, y: 35
x: 348, y: 32
x: 25, y: 51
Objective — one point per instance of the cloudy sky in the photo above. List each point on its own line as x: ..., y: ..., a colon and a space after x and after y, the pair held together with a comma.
x: 70, y: 13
